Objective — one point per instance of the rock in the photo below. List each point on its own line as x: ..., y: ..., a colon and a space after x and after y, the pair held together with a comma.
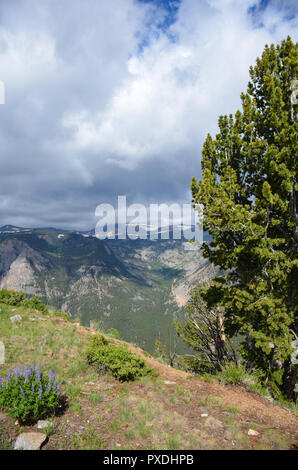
x: 30, y: 441
x: 252, y: 432
x: 213, y: 423
x: 32, y: 319
x: 15, y: 318
x: 43, y: 424
x: 204, y: 415
x: 168, y: 382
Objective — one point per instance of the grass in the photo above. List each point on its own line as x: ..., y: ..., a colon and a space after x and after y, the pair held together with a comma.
x: 173, y: 442
x: 114, y: 426
x: 5, y: 441
x: 214, y: 400
x: 95, y: 398
x: 88, y: 440
x: 272, y: 439
x: 104, y: 413
x: 232, y: 409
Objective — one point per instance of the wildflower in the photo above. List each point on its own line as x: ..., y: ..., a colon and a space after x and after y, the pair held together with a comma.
x: 27, y: 375
x: 38, y: 373
x: 17, y: 372
x: 40, y: 391
x: 22, y: 392
x: 9, y: 375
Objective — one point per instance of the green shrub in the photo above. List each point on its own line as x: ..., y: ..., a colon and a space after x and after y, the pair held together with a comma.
x: 11, y: 297
x: 232, y: 374
x: 117, y: 360
x: 61, y: 314
x: 35, y: 303
x: 238, y: 375
x: 113, y: 333
x: 28, y: 394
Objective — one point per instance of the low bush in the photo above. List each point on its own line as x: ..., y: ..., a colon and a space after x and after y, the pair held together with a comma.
x: 113, y: 333
x: 238, y: 375
x: 232, y: 374
x: 11, y: 297
x: 119, y: 361
x: 28, y: 394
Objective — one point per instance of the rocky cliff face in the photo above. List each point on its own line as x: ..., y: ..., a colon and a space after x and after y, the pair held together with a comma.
x: 138, y: 287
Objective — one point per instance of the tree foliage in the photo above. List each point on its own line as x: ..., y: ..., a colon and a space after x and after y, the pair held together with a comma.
x: 249, y: 193
x: 204, y: 332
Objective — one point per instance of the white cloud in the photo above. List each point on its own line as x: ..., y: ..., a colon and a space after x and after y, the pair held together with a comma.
x: 175, y: 91
x: 100, y: 100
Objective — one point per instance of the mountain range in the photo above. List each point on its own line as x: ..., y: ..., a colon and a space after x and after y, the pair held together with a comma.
x: 137, y: 286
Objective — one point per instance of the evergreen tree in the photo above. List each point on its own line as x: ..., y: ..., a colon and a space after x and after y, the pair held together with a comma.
x: 249, y: 193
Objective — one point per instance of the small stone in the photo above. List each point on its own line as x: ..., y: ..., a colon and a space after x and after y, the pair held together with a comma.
x: 32, y: 319
x: 30, y: 441
x: 204, y: 415
x: 168, y: 382
x: 43, y: 424
x: 252, y: 432
x: 15, y: 318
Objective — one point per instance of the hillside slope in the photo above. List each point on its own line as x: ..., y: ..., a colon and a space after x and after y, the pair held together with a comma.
x: 171, y: 411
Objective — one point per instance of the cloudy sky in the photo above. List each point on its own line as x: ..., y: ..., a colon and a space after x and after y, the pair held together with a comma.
x: 115, y: 97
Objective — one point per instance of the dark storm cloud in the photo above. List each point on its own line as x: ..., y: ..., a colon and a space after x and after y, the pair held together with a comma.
x: 101, y: 101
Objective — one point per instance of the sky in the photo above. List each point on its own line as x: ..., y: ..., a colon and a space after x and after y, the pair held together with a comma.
x: 115, y: 97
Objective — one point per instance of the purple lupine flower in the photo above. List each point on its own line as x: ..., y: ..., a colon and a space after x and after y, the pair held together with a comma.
x: 38, y: 374
x: 58, y: 389
x: 1, y: 384
x: 50, y: 374
x: 22, y: 392
x: 9, y: 375
x: 17, y: 372
x: 27, y: 375
x: 33, y: 367
x: 22, y: 371
x: 32, y: 388
x: 40, y: 391
x: 48, y: 387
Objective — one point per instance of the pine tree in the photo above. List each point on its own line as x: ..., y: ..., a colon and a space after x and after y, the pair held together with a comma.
x: 249, y: 193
